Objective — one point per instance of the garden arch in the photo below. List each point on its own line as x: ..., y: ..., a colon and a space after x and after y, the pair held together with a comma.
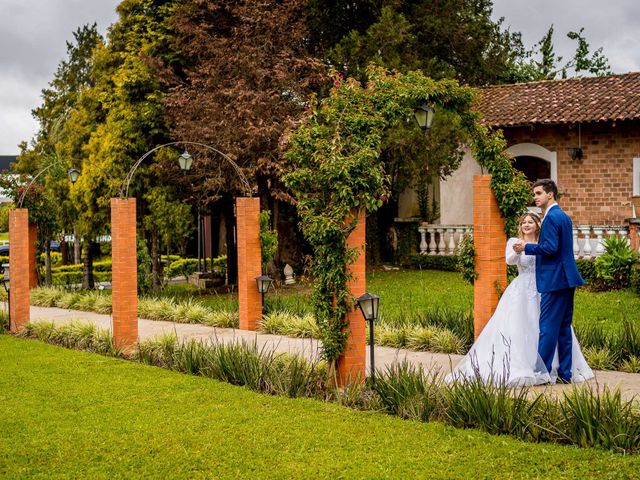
x: 124, y: 260
x: 336, y: 173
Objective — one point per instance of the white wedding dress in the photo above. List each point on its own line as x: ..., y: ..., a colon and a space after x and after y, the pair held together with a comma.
x: 507, y: 348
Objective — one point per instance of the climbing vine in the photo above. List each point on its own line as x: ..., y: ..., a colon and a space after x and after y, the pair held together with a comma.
x: 335, y: 171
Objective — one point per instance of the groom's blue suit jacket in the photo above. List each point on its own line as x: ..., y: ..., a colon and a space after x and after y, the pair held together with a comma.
x: 556, y: 268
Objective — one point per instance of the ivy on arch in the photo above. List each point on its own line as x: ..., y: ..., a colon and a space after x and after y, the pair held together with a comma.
x: 335, y: 171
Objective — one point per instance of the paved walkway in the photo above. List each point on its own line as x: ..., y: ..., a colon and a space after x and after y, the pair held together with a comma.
x: 629, y: 384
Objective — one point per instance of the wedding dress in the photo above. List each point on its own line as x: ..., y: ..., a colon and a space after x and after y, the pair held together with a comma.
x: 507, y: 348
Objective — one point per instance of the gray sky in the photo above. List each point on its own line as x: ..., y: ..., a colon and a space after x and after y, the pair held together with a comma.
x: 34, y: 32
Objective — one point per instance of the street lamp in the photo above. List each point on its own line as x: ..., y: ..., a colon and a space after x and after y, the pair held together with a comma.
x: 73, y: 174
x: 185, y: 160
x: 263, y: 281
x: 368, y: 304
x: 424, y: 116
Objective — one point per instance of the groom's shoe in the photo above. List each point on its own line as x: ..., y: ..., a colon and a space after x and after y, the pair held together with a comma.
x: 563, y: 381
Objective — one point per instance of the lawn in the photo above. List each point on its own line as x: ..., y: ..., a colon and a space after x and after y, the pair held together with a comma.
x: 409, y: 292
x: 68, y: 414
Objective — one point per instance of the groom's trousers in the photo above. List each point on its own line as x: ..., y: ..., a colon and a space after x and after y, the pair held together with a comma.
x: 556, y: 313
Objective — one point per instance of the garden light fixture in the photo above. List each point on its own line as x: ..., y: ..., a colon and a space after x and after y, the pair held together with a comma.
x: 424, y: 116
x: 185, y: 160
x: 263, y: 281
x: 73, y: 173
x: 368, y: 304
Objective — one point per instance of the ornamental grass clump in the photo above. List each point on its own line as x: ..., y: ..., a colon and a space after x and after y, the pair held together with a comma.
x: 77, y: 335
x: 600, y: 358
x: 69, y: 300
x: 409, y: 392
x: 600, y: 419
x: 46, y: 296
x: 222, y: 319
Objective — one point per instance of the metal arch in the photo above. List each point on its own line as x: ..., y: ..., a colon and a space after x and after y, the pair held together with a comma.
x: 24, y: 192
x: 124, y: 189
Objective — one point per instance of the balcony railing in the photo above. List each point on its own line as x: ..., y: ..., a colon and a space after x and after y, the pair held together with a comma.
x: 587, y: 239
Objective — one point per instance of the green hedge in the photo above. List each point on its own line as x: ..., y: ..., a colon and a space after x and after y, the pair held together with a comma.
x: 70, y: 278
x: 587, y: 269
x: 435, y: 262
x: 102, y: 266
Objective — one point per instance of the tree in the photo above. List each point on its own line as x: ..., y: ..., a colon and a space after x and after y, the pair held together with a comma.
x: 454, y: 39
x: 541, y: 62
x: 54, y: 211
x: 120, y: 117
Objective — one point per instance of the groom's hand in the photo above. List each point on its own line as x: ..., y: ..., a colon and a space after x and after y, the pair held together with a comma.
x: 518, y: 247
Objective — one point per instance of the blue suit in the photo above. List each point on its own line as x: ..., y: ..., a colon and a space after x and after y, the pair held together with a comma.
x: 557, y: 277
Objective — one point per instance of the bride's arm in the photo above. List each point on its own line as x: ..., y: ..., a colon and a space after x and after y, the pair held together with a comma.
x: 512, y: 257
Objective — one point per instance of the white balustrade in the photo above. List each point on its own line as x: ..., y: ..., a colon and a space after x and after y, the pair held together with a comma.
x: 423, y: 240
x: 576, y: 245
x: 442, y: 239
x: 588, y: 240
x: 432, y: 240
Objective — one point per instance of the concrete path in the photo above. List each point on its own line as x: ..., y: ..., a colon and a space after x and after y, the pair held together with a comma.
x: 628, y: 383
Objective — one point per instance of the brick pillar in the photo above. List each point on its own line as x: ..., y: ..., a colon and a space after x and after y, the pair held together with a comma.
x: 124, y: 272
x: 634, y: 233
x: 489, y: 240
x: 33, y: 239
x: 249, y: 262
x: 352, y: 363
x: 19, y: 268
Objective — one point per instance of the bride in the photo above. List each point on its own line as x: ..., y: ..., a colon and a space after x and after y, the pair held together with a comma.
x: 507, y: 349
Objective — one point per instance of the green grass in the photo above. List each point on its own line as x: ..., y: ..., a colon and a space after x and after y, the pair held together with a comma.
x: 67, y: 414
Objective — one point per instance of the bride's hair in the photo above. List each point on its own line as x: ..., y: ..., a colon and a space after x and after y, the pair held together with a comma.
x: 536, y: 219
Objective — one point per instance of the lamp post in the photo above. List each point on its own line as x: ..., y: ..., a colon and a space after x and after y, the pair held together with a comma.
x: 263, y: 281
x: 185, y: 161
x: 368, y: 304
x: 424, y: 116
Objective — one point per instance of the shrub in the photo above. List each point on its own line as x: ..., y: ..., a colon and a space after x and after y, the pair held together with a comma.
x: 587, y: 269
x: 631, y: 365
x: 74, y: 278
x: 182, y: 267
x: 81, y: 336
x: 634, y: 278
x: 613, y: 268
x: 222, y: 319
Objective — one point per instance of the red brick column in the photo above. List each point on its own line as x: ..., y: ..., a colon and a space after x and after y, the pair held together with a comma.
x: 125, y: 272
x: 489, y: 240
x: 19, y: 268
x: 353, y: 362
x: 249, y: 262
x: 33, y: 238
x: 634, y: 234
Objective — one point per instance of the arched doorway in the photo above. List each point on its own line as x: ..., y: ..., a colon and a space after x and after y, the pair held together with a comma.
x: 534, y: 168
x: 534, y: 161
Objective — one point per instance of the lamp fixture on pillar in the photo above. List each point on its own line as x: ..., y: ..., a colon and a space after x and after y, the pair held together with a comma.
x: 185, y: 160
x: 73, y: 174
x: 368, y: 304
x: 263, y: 281
x: 424, y: 116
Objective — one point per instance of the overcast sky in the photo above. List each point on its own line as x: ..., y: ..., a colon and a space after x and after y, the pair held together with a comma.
x: 34, y: 32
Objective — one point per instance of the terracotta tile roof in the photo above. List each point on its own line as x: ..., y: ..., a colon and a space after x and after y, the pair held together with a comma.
x: 593, y: 99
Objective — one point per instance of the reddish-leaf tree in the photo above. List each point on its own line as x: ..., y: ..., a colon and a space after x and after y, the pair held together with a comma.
x: 243, y: 77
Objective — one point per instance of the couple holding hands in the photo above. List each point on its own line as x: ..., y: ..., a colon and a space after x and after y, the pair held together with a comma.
x: 529, y: 340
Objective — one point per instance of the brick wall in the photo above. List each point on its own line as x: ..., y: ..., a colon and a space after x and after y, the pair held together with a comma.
x: 19, y: 268
x: 597, y: 187
x: 125, y: 272
x: 352, y: 363
x: 489, y: 240
x: 249, y: 262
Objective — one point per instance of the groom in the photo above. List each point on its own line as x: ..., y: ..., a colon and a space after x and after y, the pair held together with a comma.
x: 557, y: 277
